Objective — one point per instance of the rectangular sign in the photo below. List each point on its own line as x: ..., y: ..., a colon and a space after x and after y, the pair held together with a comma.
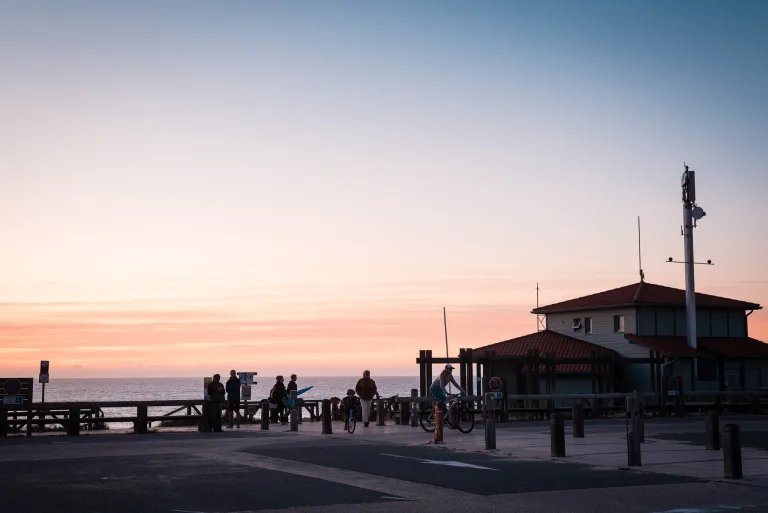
x: 673, y: 392
x: 206, y: 382
x: 13, y: 399
x: 245, y: 394
x: 246, y: 378
x: 499, y: 395
x: 44, y: 367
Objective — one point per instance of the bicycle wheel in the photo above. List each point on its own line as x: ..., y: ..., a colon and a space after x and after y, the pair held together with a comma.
x: 466, y: 420
x: 427, y: 420
x: 351, y: 424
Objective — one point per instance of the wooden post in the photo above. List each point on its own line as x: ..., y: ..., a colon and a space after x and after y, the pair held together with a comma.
x: 634, y: 458
x: 557, y: 435
x: 140, y: 425
x: 414, y: 408
x: 422, y: 373
x: 73, y: 422
x: 463, y: 368
x: 300, y: 409
x: 327, y: 426
x: 713, y: 431
x: 294, y: 413
x: 438, y: 423
x: 732, y: 452
x: 578, y: 419
x: 470, y: 379
x: 265, y: 414
x: 380, y: 412
x: 428, y: 370
x: 3, y: 423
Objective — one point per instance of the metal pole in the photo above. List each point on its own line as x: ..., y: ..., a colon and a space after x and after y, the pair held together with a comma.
x: 690, y: 286
x: 43, y: 392
x: 445, y: 325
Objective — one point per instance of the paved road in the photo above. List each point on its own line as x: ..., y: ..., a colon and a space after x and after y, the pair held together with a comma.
x: 252, y: 471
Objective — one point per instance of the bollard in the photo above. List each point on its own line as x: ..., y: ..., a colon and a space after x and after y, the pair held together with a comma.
x: 294, y: 414
x: 732, y: 452
x: 380, y: 412
x: 557, y: 435
x: 73, y: 422
x: 414, y: 407
x: 633, y: 448
x: 140, y: 424
x: 452, y: 418
x: 3, y: 423
x: 639, y: 426
x: 30, y: 418
x: 490, y: 426
x: 578, y: 419
x: 265, y: 415
x: 713, y: 431
x: 300, y: 409
x: 438, y: 413
x: 326, y: 417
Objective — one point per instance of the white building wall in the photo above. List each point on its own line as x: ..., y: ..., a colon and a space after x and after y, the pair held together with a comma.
x: 602, y: 329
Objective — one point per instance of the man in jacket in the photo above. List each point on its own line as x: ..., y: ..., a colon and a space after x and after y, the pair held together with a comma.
x: 366, y: 389
x: 233, y: 398
x: 276, y: 397
x: 215, y: 398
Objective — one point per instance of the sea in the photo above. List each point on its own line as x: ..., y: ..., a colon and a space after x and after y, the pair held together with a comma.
x: 156, y: 389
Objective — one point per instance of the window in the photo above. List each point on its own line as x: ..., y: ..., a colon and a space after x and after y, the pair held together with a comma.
x: 577, y: 324
x: 618, y: 324
x: 707, y: 368
x: 588, y: 325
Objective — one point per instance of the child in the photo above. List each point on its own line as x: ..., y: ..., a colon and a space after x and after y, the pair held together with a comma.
x: 349, y: 404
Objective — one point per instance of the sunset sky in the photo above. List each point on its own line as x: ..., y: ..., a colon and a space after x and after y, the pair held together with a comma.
x: 188, y: 187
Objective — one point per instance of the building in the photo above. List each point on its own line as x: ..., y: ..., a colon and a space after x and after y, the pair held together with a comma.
x: 628, y: 339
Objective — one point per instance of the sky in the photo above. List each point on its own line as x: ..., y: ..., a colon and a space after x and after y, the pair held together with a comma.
x: 189, y: 187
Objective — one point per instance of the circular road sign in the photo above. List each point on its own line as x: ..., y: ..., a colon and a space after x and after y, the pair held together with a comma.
x: 672, y: 382
x: 494, y: 384
x: 12, y: 386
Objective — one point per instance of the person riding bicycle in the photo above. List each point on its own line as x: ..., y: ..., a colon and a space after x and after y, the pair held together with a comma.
x: 437, y: 390
x: 349, y: 405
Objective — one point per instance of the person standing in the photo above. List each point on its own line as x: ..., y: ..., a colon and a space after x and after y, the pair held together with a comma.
x: 216, y: 401
x: 366, y: 389
x: 276, y: 396
x: 233, y: 398
x: 292, y: 385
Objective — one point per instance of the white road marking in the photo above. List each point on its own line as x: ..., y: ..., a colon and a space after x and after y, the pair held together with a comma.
x: 460, y: 464
x: 396, y: 498
x: 704, y: 509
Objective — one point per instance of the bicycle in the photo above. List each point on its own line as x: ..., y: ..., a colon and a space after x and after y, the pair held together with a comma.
x: 464, y: 416
x: 351, y: 421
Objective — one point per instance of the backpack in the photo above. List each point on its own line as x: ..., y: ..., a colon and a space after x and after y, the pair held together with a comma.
x: 272, y: 394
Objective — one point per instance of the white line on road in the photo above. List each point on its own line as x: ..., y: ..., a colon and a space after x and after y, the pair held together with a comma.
x: 460, y: 464
x: 704, y: 509
x: 396, y: 498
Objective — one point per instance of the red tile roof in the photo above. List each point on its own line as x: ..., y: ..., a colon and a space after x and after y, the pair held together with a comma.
x: 644, y: 294
x: 729, y: 347
x: 561, y: 346
x: 668, y: 346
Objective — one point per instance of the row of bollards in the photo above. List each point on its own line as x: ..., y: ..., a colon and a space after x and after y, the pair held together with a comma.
x: 731, y: 444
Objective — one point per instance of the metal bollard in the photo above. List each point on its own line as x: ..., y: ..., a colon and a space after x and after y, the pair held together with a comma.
x: 3, y: 423
x: 639, y: 426
x: 380, y: 412
x: 634, y: 458
x: 414, y: 407
x: 713, y: 431
x: 557, y: 435
x: 73, y: 422
x: 490, y: 425
x: 265, y: 414
x: 578, y: 419
x: 732, y: 452
x: 453, y: 424
x: 294, y: 414
x: 140, y: 425
x: 300, y: 409
x: 326, y: 417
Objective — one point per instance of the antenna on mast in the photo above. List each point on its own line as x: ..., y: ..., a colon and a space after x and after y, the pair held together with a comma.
x: 540, y: 318
x: 445, y: 325
x: 639, y: 251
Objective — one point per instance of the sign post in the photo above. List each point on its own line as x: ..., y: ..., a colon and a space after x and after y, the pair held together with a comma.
x: 44, y: 375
